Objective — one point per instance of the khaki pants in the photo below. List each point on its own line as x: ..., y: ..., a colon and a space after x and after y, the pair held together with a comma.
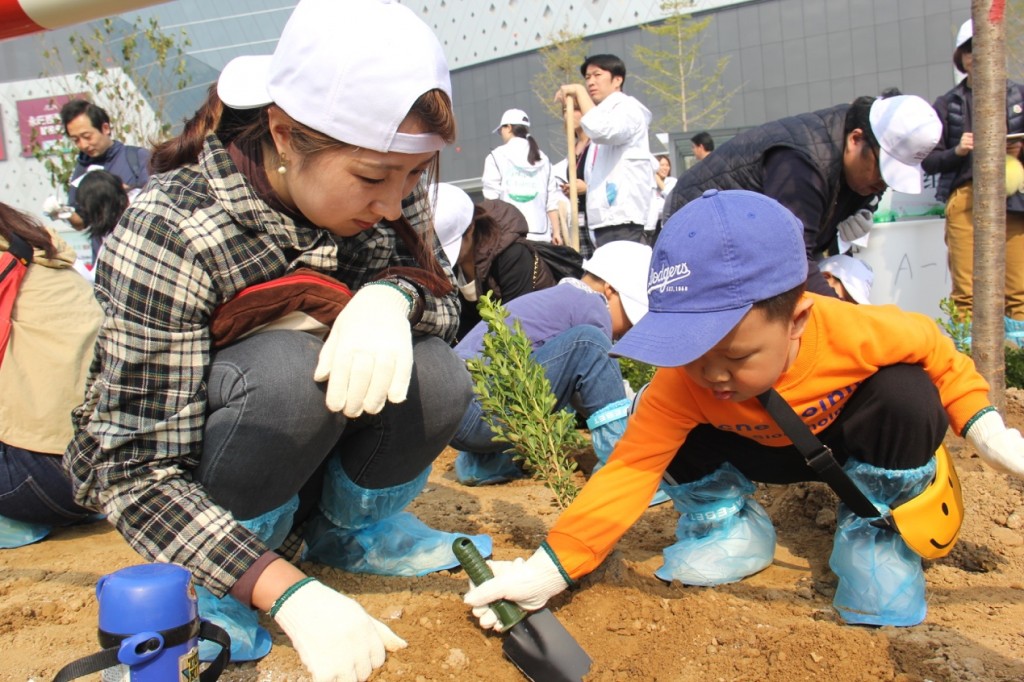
x: 960, y: 249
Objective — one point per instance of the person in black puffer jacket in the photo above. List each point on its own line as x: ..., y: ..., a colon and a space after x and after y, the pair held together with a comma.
x: 825, y: 166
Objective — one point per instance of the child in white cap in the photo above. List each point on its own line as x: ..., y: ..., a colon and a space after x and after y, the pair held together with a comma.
x: 729, y: 320
x: 520, y: 173
x: 850, y: 277
x: 314, y: 159
x: 571, y: 327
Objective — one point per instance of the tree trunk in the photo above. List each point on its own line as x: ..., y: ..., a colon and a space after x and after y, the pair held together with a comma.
x: 989, y: 212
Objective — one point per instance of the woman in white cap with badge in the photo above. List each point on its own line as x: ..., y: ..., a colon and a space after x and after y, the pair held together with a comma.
x: 953, y: 161
x: 212, y: 455
x: 519, y: 172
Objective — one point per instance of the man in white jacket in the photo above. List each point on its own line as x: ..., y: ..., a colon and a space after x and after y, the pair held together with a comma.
x: 618, y: 166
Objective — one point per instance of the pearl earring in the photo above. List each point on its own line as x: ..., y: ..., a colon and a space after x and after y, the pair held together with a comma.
x: 283, y: 168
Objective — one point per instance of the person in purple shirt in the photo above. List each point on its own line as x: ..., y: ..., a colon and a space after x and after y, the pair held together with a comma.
x: 571, y: 327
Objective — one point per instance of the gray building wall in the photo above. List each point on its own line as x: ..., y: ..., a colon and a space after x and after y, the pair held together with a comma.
x: 785, y: 56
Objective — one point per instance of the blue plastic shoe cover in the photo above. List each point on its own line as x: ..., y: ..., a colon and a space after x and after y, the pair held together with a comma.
x: 347, y: 505
x: 1014, y: 331
x: 19, y: 533
x: 365, y: 531
x: 273, y: 527
x: 249, y: 641
x: 723, y: 533
x: 606, y: 428
x: 486, y: 468
x: 881, y: 581
x: 660, y: 497
x: 398, y: 545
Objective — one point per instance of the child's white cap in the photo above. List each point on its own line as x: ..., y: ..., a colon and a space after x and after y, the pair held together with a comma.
x: 349, y: 69
x: 625, y: 266
x: 856, y: 275
x: 513, y: 117
x: 453, y: 213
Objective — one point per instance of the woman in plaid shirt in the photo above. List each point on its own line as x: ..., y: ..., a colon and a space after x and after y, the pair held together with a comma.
x: 208, y: 456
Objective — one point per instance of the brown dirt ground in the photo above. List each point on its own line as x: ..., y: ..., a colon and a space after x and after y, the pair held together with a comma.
x: 776, y: 625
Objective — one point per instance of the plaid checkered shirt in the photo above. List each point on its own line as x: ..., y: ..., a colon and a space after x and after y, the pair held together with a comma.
x: 193, y: 239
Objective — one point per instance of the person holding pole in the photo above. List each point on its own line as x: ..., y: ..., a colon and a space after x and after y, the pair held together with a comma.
x: 573, y: 187
x: 618, y: 166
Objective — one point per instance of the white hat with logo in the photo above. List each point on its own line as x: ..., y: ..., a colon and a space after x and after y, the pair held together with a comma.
x: 336, y: 70
x: 907, y: 128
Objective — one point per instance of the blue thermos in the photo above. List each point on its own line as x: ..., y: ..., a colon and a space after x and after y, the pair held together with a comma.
x: 149, y: 628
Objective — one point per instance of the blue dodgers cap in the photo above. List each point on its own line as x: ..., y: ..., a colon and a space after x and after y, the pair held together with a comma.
x: 715, y: 258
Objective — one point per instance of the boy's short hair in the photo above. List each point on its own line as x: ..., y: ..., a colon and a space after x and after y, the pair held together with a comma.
x: 623, y: 265
x: 780, y: 308
x: 716, y: 258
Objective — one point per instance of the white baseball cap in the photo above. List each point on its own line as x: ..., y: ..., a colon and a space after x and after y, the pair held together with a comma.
x: 453, y: 213
x: 513, y: 117
x: 907, y: 128
x: 856, y: 275
x: 624, y: 265
x: 965, y: 33
x: 336, y: 69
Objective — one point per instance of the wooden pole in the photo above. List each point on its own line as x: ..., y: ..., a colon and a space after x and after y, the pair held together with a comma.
x: 570, y: 162
x: 989, y: 212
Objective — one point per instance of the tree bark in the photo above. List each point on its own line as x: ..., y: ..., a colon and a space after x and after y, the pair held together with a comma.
x: 989, y: 212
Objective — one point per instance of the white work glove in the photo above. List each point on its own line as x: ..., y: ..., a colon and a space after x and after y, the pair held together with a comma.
x: 53, y: 209
x: 335, y: 638
x: 367, y: 358
x: 856, y: 226
x: 1000, y: 447
x: 530, y: 584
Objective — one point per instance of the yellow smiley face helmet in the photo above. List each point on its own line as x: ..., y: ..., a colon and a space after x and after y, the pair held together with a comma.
x: 930, y: 522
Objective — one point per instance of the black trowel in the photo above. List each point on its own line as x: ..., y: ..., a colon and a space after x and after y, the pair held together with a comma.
x: 535, y: 642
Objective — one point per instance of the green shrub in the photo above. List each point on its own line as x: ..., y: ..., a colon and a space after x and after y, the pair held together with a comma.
x: 957, y: 326
x: 1014, y: 367
x: 519, y: 406
x: 635, y: 372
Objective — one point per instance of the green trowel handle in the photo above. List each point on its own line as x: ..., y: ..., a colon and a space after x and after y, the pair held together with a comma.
x: 479, y: 572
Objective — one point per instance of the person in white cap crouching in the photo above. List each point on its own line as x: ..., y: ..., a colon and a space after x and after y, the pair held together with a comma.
x: 571, y: 327
x: 300, y: 184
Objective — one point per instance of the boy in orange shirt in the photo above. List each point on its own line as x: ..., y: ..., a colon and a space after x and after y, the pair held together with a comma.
x: 728, y: 320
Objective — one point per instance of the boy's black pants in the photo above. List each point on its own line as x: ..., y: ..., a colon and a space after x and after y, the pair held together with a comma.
x: 894, y: 420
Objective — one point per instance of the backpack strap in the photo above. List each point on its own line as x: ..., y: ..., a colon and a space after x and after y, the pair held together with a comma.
x: 13, y: 265
x: 134, y: 163
x: 818, y: 455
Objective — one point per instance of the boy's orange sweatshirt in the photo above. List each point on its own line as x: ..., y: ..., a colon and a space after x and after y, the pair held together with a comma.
x: 842, y: 345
